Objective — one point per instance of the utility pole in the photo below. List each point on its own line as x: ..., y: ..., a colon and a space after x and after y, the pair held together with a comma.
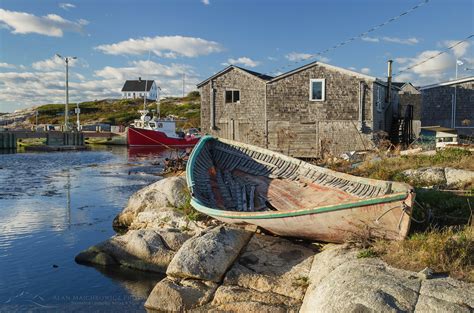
x: 66, y: 109
x: 184, y: 78
x: 458, y: 62
x: 158, y: 89
x: 78, y: 112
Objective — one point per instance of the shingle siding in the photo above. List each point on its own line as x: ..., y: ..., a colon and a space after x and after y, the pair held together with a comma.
x: 302, y: 127
x: 297, y: 126
x: 243, y: 121
x: 437, y: 106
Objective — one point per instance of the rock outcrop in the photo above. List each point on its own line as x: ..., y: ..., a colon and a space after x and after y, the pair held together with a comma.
x: 166, y: 218
x: 238, y: 299
x: 208, y: 255
x: 456, y: 178
x: 438, y: 176
x: 180, y: 295
x: 427, y: 175
x: 272, y: 264
x: 165, y: 193
x: 148, y: 250
x: 340, y: 282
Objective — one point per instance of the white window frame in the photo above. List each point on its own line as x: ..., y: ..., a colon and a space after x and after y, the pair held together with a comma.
x: 240, y: 94
x: 323, y: 89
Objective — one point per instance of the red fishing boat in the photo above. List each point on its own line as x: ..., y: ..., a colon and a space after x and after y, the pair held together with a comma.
x: 152, y: 131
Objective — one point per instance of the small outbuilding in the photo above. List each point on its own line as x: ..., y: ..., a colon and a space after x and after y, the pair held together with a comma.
x: 450, y: 104
x: 136, y: 89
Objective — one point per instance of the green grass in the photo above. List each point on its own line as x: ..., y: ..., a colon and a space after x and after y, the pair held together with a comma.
x: 442, y: 208
x: 366, y: 253
x: 301, y: 281
x: 191, y: 213
x: 392, y: 168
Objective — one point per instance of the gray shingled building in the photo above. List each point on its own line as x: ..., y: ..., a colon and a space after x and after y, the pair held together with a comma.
x: 317, y: 107
x: 450, y: 104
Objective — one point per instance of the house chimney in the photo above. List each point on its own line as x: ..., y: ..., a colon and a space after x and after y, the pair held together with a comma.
x: 389, y: 82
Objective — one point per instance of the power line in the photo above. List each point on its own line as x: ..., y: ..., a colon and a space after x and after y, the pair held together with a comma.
x: 434, y: 56
x: 347, y: 41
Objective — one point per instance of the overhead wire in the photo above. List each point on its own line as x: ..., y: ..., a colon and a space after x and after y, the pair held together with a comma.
x: 433, y: 56
x: 347, y: 41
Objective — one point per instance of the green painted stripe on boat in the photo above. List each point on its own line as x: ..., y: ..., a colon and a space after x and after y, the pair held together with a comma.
x: 192, y: 159
x: 280, y: 214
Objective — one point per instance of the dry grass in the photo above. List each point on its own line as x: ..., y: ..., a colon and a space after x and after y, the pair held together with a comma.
x: 450, y: 251
x: 389, y: 168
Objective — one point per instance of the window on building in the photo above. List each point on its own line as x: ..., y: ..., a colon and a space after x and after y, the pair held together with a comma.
x: 232, y: 96
x: 317, y: 90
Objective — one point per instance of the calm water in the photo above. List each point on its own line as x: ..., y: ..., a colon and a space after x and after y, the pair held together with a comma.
x: 52, y: 206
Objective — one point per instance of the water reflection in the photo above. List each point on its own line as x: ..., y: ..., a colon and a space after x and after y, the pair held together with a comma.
x: 52, y: 206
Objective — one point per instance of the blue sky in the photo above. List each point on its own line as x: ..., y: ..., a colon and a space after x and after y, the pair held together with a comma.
x: 161, y: 40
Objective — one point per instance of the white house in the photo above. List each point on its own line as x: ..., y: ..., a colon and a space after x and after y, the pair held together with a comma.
x: 133, y: 89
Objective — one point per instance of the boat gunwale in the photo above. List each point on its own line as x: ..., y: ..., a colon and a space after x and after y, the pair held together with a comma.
x: 197, y: 204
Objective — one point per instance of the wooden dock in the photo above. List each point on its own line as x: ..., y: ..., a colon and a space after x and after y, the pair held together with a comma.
x: 9, y: 139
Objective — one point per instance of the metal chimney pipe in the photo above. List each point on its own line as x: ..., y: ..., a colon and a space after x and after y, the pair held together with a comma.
x: 389, y: 82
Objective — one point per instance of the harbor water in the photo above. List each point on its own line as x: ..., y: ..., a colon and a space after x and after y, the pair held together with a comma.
x: 54, y: 205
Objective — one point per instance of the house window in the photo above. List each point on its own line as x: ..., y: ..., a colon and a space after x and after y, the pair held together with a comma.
x: 232, y: 96
x: 317, y: 90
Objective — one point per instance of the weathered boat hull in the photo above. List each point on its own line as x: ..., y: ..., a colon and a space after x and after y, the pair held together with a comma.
x: 292, y: 198
x: 139, y: 137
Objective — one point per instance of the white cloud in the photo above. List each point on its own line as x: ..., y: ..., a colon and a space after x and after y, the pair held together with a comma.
x: 433, y: 67
x: 402, y: 41
x: 244, y: 61
x: 298, y: 56
x: 402, y: 60
x: 145, y: 69
x: 38, y: 87
x: 365, y: 70
x: 324, y: 59
x: 49, y: 25
x: 53, y: 63
x: 163, y: 46
x: 206, y: 2
x: 460, y: 49
x: 440, y: 68
x: 6, y: 65
x: 66, y: 6
x: 370, y: 39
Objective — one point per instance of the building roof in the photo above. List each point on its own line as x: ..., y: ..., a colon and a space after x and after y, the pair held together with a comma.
x: 269, y: 79
x: 137, y: 85
x: 228, y: 68
x: 439, y: 129
x: 449, y: 83
x: 332, y: 67
x: 399, y: 84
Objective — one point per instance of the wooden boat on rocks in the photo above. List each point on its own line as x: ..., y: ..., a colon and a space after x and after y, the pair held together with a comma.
x: 240, y: 183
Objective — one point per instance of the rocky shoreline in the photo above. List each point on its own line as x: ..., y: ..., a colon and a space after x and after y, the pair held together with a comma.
x: 211, y: 266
